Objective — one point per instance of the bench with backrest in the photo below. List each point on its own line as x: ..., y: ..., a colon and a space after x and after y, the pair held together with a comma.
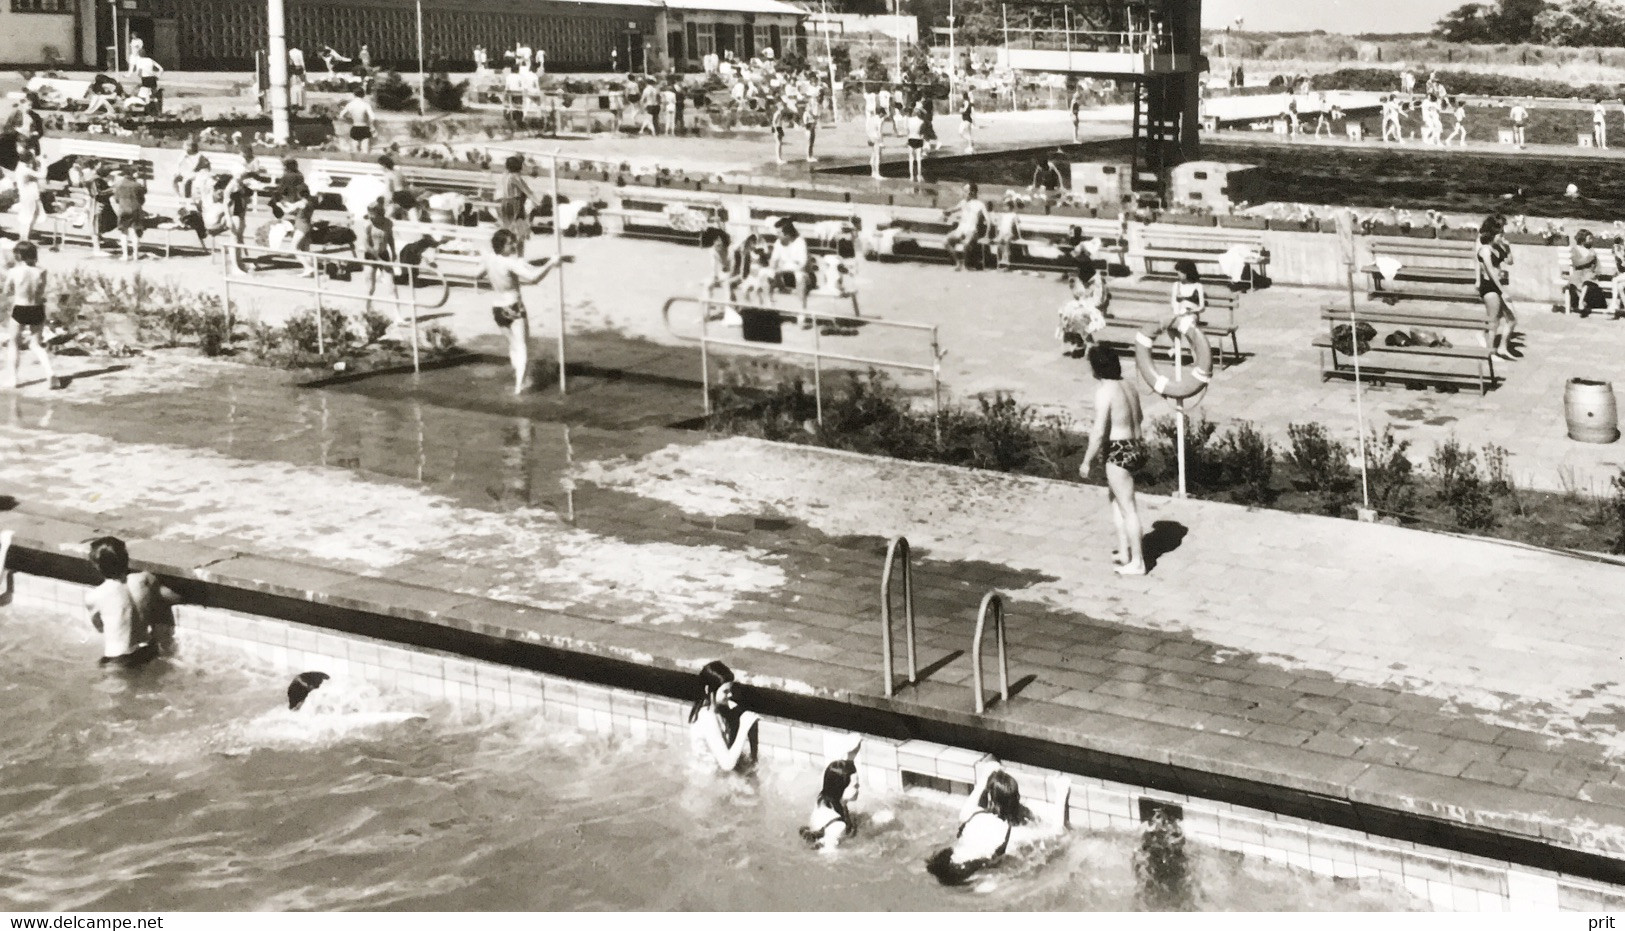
x: 1607, y: 270
x: 1043, y: 242
x: 1434, y: 270
x: 1164, y: 245
x: 479, y: 187
x: 332, y: 176
x: 1412, y: 364
x: 1133, y: 306
x: 664, y: 214
x: 116, y: 155
x: 824, y: 227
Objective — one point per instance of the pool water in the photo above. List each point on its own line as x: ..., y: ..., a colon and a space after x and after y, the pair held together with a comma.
x: 1410, y: 177
x: 188, y: 786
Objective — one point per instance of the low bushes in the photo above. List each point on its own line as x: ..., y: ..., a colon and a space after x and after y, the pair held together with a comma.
x: 104, y: 313
x: 1474, y: 83
x: 1457, y: 488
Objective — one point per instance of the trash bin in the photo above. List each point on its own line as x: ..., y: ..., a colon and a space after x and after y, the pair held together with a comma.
x: 1592, y: 413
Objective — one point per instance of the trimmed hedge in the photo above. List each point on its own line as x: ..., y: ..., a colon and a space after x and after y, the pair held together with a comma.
x: 1473, y: 83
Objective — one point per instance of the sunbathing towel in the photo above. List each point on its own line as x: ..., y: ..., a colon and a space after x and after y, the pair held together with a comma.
x: 826, y: 232
x: 1234, y: 262
x: 1388, y: 268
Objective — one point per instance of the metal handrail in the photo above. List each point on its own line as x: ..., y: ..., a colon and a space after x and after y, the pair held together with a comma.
x: 995, y: 602
x: 232, y: 251
x: 898, y: 548
x: 818, y: 355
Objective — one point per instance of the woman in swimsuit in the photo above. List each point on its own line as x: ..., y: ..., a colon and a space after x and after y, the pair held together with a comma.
x: 719, y: 729
x: 1493, y: 256
x: 991, y: 819
x: 506, y: 272
x: 1189, y: 298
x: 830, y: 820
x: 1117, y: 433
x: 28, y: 176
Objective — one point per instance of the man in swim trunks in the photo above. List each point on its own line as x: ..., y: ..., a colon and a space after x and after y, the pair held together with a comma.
x: 507, y: 272
x: 127, y: 607
x: 971, y: 224
x: 25, y: 284
x: 358, y: 113
x: 1117, y: 432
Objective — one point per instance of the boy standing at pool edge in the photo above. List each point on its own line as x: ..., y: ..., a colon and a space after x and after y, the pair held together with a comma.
x: 127, y: 606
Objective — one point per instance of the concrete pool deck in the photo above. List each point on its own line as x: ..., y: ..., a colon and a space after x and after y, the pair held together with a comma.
x: 1373, y: 677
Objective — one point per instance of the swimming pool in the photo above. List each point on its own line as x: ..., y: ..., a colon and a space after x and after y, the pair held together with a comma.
x: 185, y: 786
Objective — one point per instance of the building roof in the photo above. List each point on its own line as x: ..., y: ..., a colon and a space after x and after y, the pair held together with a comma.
x: 737, y: 6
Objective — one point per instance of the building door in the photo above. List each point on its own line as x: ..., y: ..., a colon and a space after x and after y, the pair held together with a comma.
x: 632, y: 57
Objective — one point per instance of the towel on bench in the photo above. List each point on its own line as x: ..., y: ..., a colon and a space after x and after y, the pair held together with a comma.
x: 1388, y: 268
x: 1234, y: 262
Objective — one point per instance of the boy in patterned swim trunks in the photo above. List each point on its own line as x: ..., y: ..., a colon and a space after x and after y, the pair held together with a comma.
x: 1117, y: 433
x: 25, y: 285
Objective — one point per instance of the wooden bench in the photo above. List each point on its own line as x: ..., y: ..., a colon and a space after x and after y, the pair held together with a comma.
x: 1405, y: 363
x: 1429, y: 270
x: 823, y: 228
x: 1041, y: 242
x: 1164, y: 245
x: 1133, y: 306
x: 478, y: 186
x: 331, y: 176
x: 642, y: 213
x: 1607, y: 271
x: 119, y: 155
x: 71, y: 223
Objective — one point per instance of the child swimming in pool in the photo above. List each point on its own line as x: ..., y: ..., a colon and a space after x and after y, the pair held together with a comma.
x: 720, y: 731
x: 127, y: 607
x: 831, y: 820
x: 992, y: 820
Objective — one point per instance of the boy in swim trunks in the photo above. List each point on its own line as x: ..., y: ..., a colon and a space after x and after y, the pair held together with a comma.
x: 127, y: 607
x: 1117, y: 433
x: 26, y: 286
x: 129, y: 196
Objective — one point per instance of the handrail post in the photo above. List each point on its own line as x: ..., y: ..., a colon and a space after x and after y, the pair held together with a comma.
x: 705, y: 355
x: 992, y: 603
x: 412, y: 289
x: 316, y: 281
x: 897, y: 548
x: 818, y: 371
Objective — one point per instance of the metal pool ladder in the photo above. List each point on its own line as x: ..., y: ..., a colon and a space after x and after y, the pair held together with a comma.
x: 895, y: 552
x: 992, y: 604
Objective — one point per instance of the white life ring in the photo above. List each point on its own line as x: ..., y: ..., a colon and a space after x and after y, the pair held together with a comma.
x: 1193, y: 379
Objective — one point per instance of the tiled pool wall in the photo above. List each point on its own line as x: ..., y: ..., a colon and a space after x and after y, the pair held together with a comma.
x: 1446, y: 880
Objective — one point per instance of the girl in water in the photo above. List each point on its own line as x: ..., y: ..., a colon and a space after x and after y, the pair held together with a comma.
x: 830, y: 820
x: 507, y: 272
x: 991, y: 820
x: 719, y: 729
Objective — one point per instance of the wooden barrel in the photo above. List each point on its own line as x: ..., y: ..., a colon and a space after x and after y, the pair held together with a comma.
x: 1592, y: 413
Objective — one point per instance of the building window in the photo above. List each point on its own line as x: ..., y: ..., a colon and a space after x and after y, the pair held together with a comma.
x: 764, y: 39
x: 705, y: 39
x: 41, y: 6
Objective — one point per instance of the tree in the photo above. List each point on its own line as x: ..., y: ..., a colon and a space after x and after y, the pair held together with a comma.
x: 1465, y: 23
x: 1507, y: 21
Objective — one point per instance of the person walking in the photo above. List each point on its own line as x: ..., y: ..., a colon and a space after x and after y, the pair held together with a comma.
x: 25, y: 285
x: 28, y: 177
x: 507, y: 272
x: 1493, y: 256
x: 916, y: 146
x: 147, y: 70
x: 359, y: 114
x: 967, y: 122
x: 1116, y: 433
x: 1458, y: 133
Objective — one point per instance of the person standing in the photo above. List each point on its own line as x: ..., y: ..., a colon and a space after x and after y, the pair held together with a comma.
x: 781, y: 120
x: 1493, y: 256
x: 1076, y: 106
x: 1582, y: 285
x: 1118, y: 420
x: 129, y: 196
x: 1599, y: 125
x: 668, y: 109
x: 970, y: 226
x: 649, y: 100
x: 364, y: 59
x: 25, y: 284
x: 1458, y: 133
x: 916, y: 146
x: 872, y: 129
x: 884, y: 102
x: 507, y: 272
x: 378, y: 245
x: 514, y: 198
x: 358, y: 113
x: 28, y: 177
x: 967, y: 122
x: 1519, y: 117
x: 809, y: 122
x: 1391, y: 128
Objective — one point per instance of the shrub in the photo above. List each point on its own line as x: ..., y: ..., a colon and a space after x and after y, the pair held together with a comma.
x: 1322, y: 464
x: 1617, y: 505
x: 390, y: 92
x: 215, y: 331
x: 375, y: 326
x: 1389, y: 471
x: 1248, y: 463
x: 263, y: 339
x: 439, y: 340
x: 441, y: 93
x: 300, y: 333
x: 1497, y: 473
x: 1203, y: 467
x: 1474, y: 83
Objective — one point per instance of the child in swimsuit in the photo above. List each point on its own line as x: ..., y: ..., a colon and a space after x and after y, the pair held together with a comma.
x: 26, y: 286
x: 993, y: 818
x: 1117, y: 433
x: 719, y: 730
x: 831, y: 820
x: 128, y: 608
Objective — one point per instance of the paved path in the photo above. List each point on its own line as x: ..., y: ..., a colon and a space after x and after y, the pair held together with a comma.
x: 1462, y: 679
x: 998, y: 334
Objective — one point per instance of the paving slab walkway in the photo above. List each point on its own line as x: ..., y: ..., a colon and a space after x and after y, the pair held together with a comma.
x: 1464, y: 680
